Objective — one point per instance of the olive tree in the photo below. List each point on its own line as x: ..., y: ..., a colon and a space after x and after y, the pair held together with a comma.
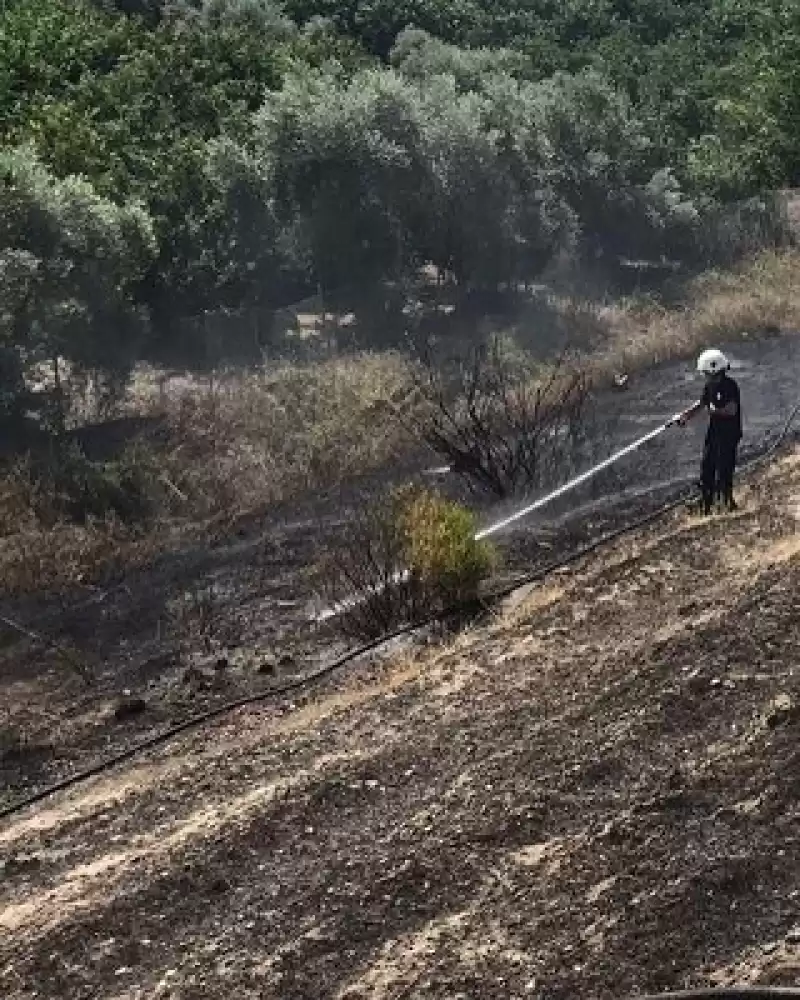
x: 69, y: 260
x: 343, y: 161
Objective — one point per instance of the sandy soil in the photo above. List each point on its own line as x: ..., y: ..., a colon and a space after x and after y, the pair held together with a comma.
x: 592, y: 793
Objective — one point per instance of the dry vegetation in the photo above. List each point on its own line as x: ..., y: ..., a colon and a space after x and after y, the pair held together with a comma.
x: 218, y: 450
x: 239, y: 444
x: 509, y: 426
x: 761, y: 296
x: 248, y: 442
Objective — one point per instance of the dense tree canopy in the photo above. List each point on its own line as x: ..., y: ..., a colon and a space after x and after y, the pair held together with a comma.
x: 69, y: 260
x: 241, y: 152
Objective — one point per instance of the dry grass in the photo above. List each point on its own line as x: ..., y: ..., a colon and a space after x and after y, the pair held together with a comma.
x: 44, y: 552
x: 760, y: 297
x: 228, y: 447
x: 38, y: 560
x: 248, y: 441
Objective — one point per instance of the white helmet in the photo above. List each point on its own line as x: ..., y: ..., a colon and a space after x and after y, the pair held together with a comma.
x: 712, y: 362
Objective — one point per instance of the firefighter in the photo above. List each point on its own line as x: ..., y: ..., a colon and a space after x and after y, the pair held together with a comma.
x: 721, y: 399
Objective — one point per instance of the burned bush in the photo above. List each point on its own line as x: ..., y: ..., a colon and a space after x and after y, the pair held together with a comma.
x: 502, y: 426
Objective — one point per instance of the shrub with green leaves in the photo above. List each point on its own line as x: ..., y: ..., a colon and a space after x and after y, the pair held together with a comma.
x: 442, y: 553
x: 69, y: 259
x: 409, y: 555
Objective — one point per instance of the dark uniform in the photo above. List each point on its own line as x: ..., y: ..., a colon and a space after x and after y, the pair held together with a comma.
x: 722, y: 440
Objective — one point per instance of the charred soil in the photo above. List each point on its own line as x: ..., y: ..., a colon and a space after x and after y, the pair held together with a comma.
x: 591, y: 793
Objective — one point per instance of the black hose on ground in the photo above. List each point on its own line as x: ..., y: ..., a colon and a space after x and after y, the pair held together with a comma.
x: 309, y: 679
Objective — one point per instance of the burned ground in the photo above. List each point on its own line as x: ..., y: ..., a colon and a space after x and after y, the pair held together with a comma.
x: 591, y: 793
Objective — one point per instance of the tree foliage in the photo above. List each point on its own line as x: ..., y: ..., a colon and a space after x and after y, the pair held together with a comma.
x: 279, y: 146
x: 383, y: 171
x: 69, y: 261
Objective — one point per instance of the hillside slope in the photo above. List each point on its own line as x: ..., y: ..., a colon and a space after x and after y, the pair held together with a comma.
x: 595, y: 793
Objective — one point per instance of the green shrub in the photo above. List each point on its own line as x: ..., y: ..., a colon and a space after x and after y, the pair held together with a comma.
x: 441, y: 551
x: 407, y: 556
